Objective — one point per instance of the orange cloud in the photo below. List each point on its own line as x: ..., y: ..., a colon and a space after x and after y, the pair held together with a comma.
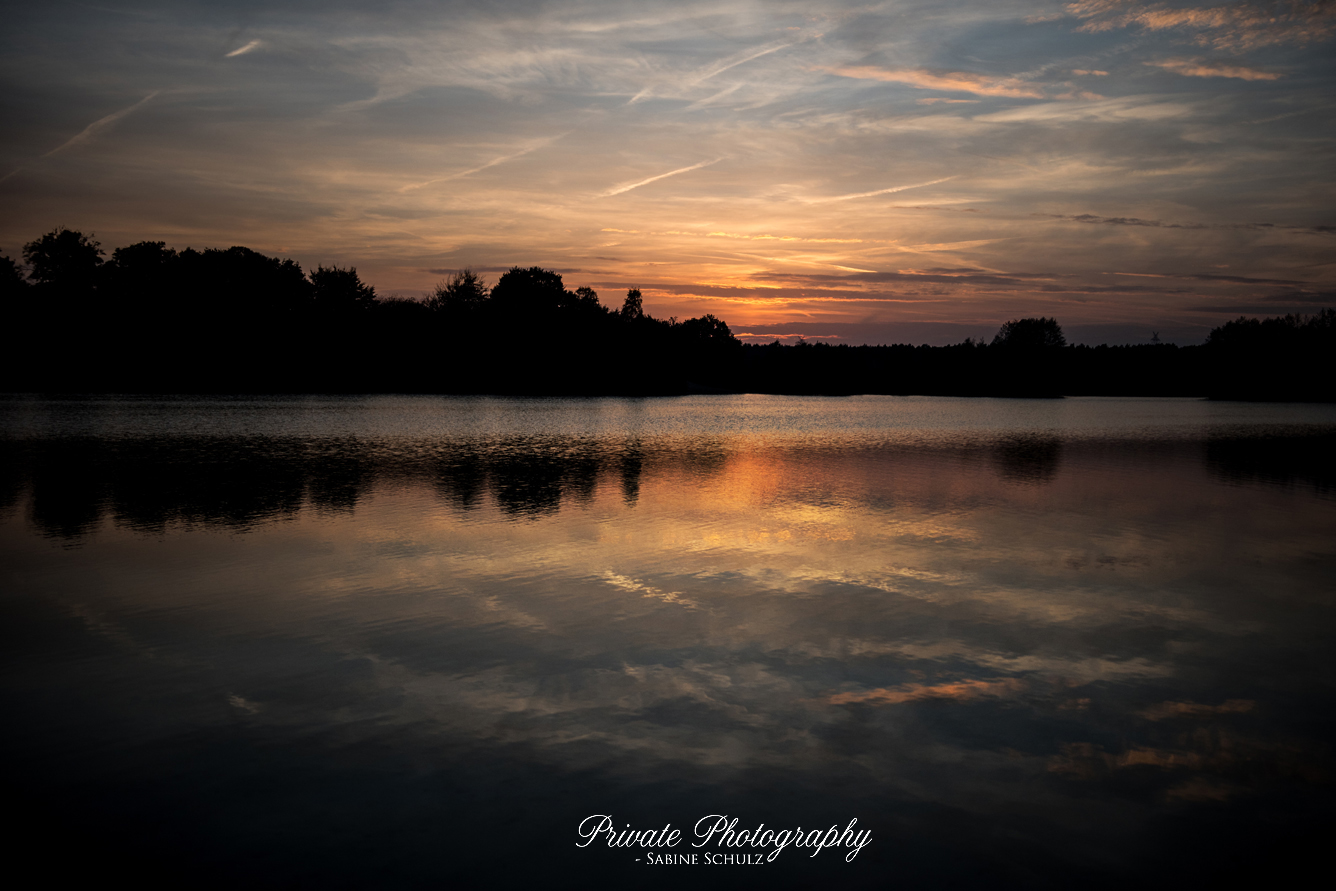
x: 958, y: 690
x: 957, y: 81
x: 1088, y: 761
x: 1236, y: 26
x: 1196, y: 709
x: 1200, y: 68
x: 1201, y: 789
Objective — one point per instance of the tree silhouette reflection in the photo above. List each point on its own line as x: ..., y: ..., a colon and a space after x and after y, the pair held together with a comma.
x: 1030, y: 459
x: 235, y: 482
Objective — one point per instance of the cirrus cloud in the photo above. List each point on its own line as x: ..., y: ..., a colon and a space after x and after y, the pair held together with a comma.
x: 953, y: 81
x: 1235, y: 26
x: 1205, y: 68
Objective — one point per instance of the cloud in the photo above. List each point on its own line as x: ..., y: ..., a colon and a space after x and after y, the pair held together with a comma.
x: 1296, y: 301
x: 1209, y: 277
x: 710, y: 100
x: 1202, y: 68
x: 1162, y: 224
x: 1088, y: 760
x: 855, y: 285
x: 643, y: 94
x: 242, y: 50
x: 739, y: 59
x: 1236, y: 26
x: 750, y: 336
x: 626, y: 187
x: 481, y: 167
x: 1166, y: 710
x: 878, y: 191
x: 644, y: 590
x: 98, y: 126
x: 765, y: 237
x: 958, y: 691
x: 243, y: 704
x: 718, y: 67
x: 1119, y: 110
x: 937, y: 79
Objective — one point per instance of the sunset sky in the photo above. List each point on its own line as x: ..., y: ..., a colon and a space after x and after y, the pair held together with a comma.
x: 858, y: 172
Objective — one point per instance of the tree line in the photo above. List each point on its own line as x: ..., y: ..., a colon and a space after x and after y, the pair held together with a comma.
x: 153, y: 319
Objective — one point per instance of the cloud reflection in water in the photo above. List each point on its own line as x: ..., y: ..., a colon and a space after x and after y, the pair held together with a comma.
x: 1033, y: 627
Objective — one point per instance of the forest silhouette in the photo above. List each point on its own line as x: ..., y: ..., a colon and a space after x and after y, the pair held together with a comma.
x: 151, y: 319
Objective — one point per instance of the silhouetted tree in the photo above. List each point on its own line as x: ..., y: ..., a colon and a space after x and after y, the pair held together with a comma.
x: 239, y: 282
x: 12, y: 282
x: 463, y: 291
x: 140, y: 291
x: 340, y: 290
x: 632, y: 306
x: 402, y: 312
x: 1041, y: 333
x: 63, y: 258
x: 587, y: 298
x: 143, y: 257
x: 1286, y: 357
x: 708, y: 329
x: 528, y: 292
x: 141, y: 275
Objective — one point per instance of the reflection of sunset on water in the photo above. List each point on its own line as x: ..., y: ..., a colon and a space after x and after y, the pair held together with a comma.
x: 970, y: 606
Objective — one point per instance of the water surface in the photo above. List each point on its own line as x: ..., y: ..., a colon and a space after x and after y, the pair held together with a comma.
x: 407, y: 641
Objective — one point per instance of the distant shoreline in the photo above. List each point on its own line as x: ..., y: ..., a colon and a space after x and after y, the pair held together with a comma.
x: 154, y: 320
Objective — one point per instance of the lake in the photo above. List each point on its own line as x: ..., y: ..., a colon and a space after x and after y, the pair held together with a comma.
x: 417, y: 641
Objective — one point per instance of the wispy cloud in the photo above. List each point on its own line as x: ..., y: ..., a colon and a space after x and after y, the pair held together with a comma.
x: 626, y: 187
x: 957, y: 690
x: 1167, y: 710
x: 644, y: 590
x: 718, y: 67
x: 878, y: 191
x: 1124, y: 109
x: 1163, y: 224
x: 481, y: 167
x: 1204, y: 68
x: 710, y: 100
x: 98, y: 126
x: 1212, y: 277
x: 954, y: 81
x: 242, y: 50
x: 1245, y: 25
x: 739, y: 59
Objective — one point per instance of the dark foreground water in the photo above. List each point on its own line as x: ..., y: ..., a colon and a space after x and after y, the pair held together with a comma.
x: 414, y: 642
